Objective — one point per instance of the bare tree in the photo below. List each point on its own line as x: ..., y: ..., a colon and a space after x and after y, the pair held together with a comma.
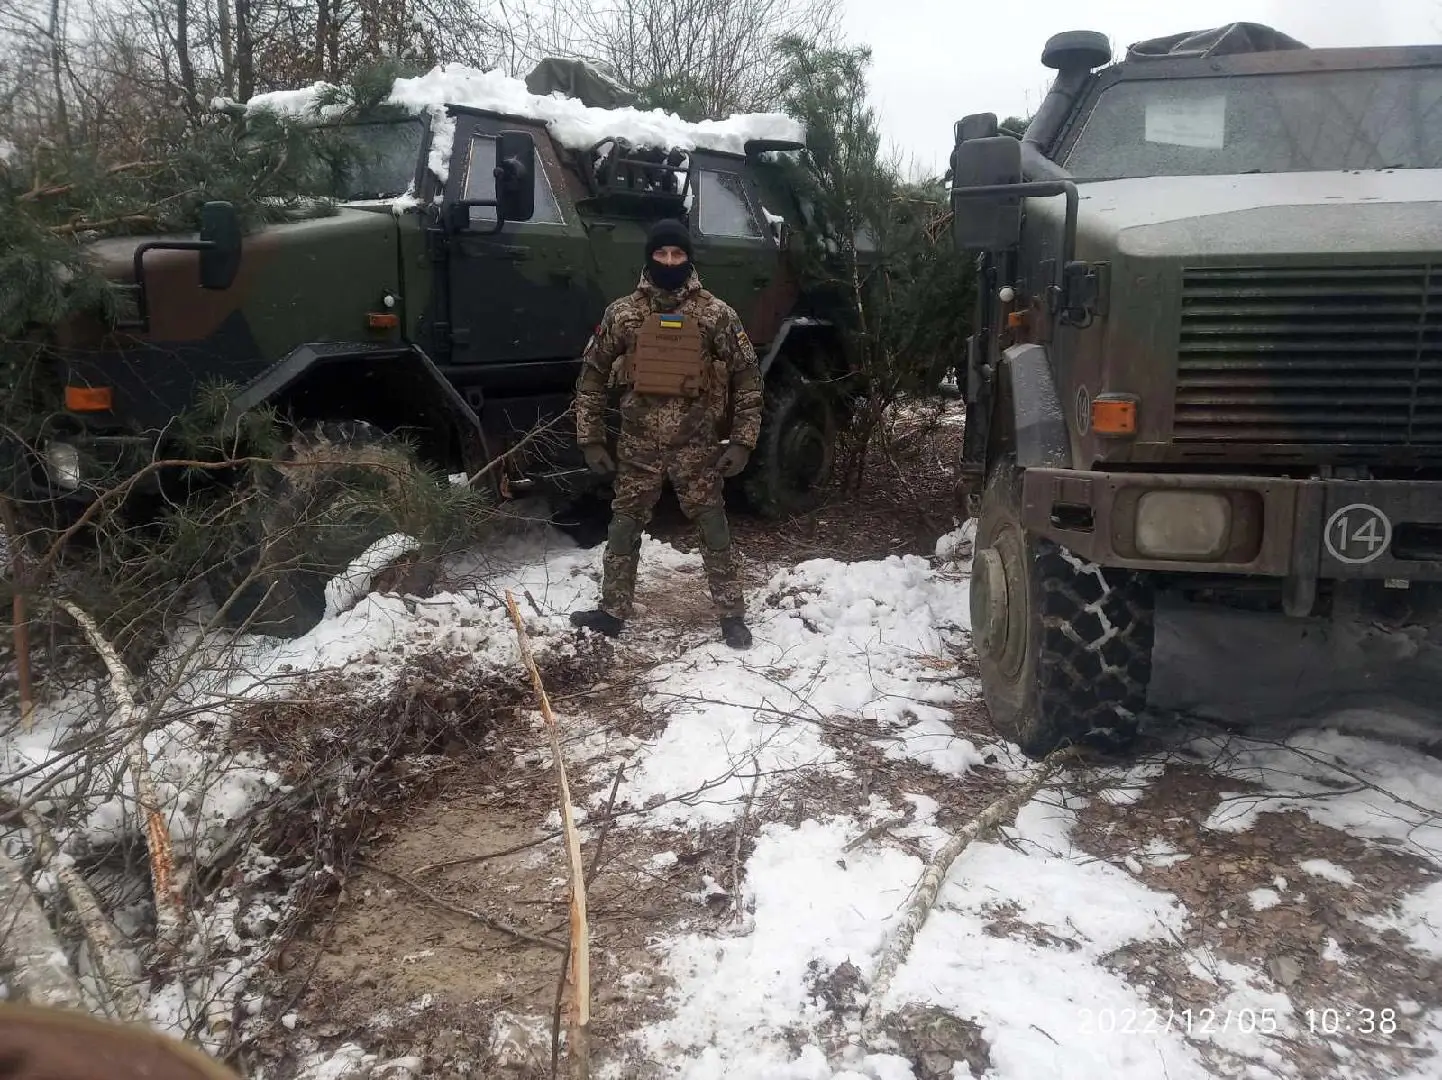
x: 701, y: 58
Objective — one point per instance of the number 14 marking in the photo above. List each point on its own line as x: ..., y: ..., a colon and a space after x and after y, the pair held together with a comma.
x: 1357, y: 533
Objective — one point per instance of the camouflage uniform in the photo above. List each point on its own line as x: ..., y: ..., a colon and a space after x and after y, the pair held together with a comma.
x: 664, y: 436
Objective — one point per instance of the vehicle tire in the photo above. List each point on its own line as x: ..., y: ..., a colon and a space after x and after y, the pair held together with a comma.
x: 288, y: 598
x: 1064, y: 645
x: 793, y: 459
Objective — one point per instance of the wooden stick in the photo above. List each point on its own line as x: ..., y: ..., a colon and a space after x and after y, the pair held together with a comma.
x: 20, y: 619
x: 923, y: 896
x: 578, y: 1034
x: 41, y: 972
x: 169, y: 901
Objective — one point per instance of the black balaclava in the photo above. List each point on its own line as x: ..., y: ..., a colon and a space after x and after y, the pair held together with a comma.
x: 668, y: 233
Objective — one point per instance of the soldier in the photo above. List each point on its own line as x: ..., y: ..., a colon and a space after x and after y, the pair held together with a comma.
x: 686, y: 363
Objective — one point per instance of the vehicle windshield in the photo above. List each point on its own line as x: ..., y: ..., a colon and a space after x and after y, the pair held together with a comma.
x: 380, y: 162
x: 1294, y: 122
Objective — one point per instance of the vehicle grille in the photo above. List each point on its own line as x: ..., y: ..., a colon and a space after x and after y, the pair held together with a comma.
x: 1311, y: 355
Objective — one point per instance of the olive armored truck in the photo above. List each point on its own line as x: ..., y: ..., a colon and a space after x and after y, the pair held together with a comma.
x: 450, y: 297
x: 1207, y: 355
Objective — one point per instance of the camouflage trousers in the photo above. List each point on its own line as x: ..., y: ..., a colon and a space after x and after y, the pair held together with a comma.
x: 642, y: 466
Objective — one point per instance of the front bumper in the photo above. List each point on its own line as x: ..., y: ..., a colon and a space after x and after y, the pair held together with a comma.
x: 1305, y: 530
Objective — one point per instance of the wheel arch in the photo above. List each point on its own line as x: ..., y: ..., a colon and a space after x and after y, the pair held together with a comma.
x: 398, y: 388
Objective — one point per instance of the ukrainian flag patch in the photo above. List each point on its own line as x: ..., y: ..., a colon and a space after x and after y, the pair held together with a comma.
x: 672, y: 321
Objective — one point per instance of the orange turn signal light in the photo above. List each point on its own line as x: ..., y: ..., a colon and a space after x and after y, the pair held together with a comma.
x: 383, y: 320
x: 87, y: 398
x: 1015, y: 319
x: 1114, y: 415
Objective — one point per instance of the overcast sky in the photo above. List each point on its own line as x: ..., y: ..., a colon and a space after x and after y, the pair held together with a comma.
x: 933, y: 61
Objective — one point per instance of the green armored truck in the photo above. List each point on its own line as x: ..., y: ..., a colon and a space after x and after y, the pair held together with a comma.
x: 1207, y: 355
x: 449, y: 299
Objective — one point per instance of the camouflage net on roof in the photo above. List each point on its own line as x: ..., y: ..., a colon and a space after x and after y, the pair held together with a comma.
x: 1229, y: 40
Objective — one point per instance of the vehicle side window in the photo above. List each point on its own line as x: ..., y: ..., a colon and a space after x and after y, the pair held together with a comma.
x: 724, y: 210
x: 481, y: 184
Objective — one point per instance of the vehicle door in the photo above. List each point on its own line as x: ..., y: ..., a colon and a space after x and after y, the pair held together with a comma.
x: 735, y: 252
x: 520, y: 295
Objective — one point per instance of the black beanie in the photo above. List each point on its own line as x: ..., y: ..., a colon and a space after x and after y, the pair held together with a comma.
x: 668, y: 233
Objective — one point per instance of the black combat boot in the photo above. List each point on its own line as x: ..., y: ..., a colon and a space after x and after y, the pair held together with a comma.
x: 598, y: 620
x: 735, y: 631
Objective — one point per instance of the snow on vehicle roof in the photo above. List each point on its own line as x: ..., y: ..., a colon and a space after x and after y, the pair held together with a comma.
x: 571, y: 123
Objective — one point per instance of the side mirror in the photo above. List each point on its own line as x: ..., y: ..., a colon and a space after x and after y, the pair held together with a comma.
x: 515, y: 176
x: 220, y: 257
x: 976, y: 126
x: 985, y: 216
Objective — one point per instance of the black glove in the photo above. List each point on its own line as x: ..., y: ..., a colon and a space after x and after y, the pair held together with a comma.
x: 598, y: 460
x: 733, y: 460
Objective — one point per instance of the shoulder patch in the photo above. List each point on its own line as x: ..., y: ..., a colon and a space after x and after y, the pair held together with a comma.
x: 741, y: 337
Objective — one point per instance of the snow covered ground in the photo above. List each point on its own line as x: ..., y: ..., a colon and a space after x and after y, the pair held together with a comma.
x: 1260, y: 905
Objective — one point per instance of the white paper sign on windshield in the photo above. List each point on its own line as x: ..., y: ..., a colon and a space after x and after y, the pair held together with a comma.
x: 1200, y: 122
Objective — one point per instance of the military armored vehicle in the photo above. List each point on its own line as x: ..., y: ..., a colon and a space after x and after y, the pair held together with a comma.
x: 1207, y: 355
x: 450, y: 299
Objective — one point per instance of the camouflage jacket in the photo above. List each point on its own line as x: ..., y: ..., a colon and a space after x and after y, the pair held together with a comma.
x: 734, y: 388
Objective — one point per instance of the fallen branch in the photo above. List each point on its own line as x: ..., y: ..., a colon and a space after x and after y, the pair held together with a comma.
x: 73, y: 227
x: 169, y: 902
x: 737, y: 914
x: 923, y: 896
x: 40, y: 970
x: 61, y: 189
x: 578, y: 1032
x: 480, y: 916
x: 881, y: 828
x: 100, y: 933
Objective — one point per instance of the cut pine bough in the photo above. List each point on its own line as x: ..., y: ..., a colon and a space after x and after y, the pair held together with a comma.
x: 579, y: 959
x: 897, y: 945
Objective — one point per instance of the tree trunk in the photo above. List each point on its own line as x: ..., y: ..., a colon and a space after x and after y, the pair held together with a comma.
x: 182, y: 55
x: 57, y: 72
x: 227, y: 46
x: 322, y: 35
x: 244, y: 52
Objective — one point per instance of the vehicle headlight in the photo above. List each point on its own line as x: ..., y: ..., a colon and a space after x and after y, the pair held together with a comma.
x: 63, y: 462
x: 1183, y: 524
